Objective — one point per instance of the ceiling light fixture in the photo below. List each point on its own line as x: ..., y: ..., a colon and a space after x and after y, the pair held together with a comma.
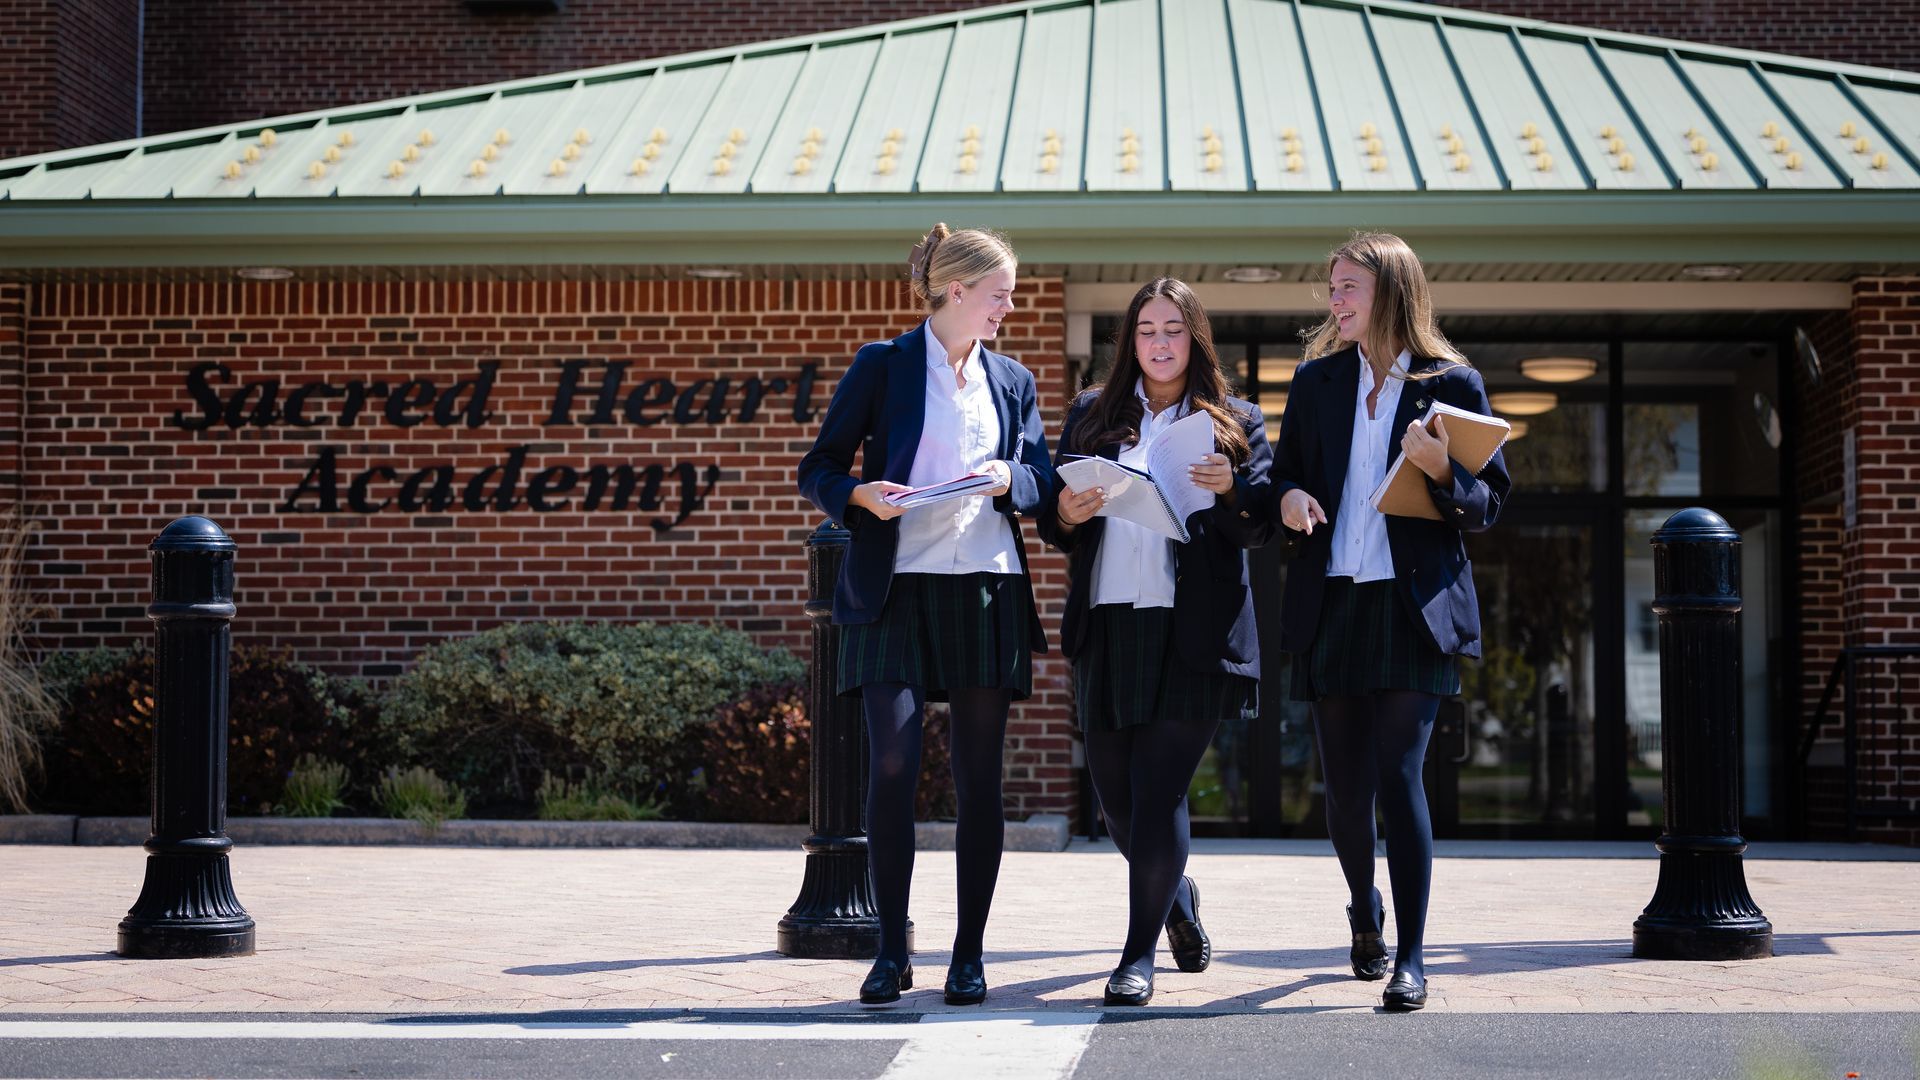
x: 1713, y: 271
x: 1516, y: 429
x: 1559, y: 369
x: 1523, y: 402
x: 715, y: 273
x: 1252, y: 275
x: 263, y: 273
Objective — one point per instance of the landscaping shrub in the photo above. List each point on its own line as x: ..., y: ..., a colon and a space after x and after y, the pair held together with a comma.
x: 99, y: 760
x: 313, y: 788
x: 499, y: 710
x: 28, y: 713
x: 419, y: 795
x: 589, y: 800
x: 755, y: 760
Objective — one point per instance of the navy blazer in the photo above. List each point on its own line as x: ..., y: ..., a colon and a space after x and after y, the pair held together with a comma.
x: 1433, y: 576
x: 1213, y: 617
x: 878, y: 409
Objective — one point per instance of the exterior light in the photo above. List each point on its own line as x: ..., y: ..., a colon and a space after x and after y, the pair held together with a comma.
x: 1251, y: 275
x: 263, y: 273
x: 1559, y: 369
x: 1279, y: 371
x: 1523, y: 402
x: 715, y: 273
x: 1516, y: 429
x: 1713, y: 271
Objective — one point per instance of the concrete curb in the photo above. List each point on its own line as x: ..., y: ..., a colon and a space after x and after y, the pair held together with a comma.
x: 1042, y: 832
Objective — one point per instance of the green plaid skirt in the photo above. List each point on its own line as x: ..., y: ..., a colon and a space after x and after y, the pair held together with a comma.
x: 944, y: 632
x: 1367, y: 642
x: 1129, y: 673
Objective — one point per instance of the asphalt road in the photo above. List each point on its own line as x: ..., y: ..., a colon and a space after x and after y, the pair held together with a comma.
x: 984, y: 1046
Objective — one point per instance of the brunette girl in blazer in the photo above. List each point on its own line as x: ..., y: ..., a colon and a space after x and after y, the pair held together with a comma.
x: 935, y: 601
x: 1161, y: 633
x: 1376, y: 608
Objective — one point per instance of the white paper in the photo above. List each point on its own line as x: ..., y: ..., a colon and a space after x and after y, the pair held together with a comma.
x: 971, y: 484
x: 1160, y: 505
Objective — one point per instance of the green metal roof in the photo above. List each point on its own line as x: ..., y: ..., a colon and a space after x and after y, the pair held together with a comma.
x: 1132, y: 107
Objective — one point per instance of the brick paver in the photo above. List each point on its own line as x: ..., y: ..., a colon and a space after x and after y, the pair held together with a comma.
x: 434, y: 929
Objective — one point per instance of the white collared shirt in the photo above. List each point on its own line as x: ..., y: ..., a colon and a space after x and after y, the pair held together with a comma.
x: 1360, y: 548
x: 1135, y: 564
x: 960, y: 434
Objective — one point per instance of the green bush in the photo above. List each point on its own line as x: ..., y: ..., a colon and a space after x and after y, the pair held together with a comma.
x: 100, y: 759
x: 420, y: 795
x: 498, y: 710
x: 755, y: 760
x: 313, y: 788
x: 589, y: 800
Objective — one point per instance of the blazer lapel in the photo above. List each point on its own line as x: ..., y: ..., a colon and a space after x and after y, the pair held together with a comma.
x: 1337, y: 436
x: 906, y: 402
x: 1006, y: 403
x: 1414, y: 399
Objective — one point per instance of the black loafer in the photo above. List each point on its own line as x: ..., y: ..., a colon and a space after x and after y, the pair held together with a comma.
x: 1188, y: 941
x: 966, y: 983
x: 1405, y: 993
x: 1369, y: 952
x: 1127, y: 986
x: 885, y: 982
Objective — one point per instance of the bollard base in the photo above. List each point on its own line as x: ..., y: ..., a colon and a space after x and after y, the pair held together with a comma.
x: 185, y: 940
x: 831, y: 939
x: 1665, y: 940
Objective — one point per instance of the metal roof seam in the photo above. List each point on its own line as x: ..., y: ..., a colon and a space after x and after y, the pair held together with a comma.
x: 1633, y: 114
x: 846, y: 143
x: 1900, y: 147
x: 1166, y: 136
x: 1553, y: 111
x: 1760, y: 179
x: 1845, y: 176
x: 1313, y: 85
x: 1473, y: 107
x: 1239, y: 95
x: 1013, y: 101
x: 1086, y: 102
x: 1393, y: 101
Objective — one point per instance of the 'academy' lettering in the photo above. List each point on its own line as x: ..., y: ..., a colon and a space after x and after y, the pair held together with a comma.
x: 497, y: 488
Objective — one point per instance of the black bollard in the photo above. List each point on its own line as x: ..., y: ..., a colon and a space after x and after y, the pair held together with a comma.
x: 1701, y: 909
x: 835, y: 916
x: 186, y: 907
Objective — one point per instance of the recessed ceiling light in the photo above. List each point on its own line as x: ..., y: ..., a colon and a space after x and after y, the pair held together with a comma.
x: 1559, y: 369
x: 1252, y: 275
x: 1713, y: 271
x: 1523, y: 402
x: 263, y: 273
x: 717, y: 273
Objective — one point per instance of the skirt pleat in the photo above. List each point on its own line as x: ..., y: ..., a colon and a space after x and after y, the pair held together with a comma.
x: 944, y: 632
x: 1367, y: 642
x: 1129, y: 673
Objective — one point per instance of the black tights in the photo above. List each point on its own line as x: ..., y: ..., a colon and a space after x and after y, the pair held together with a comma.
x: 1141, y: 775
x: 1372, y: 747
x: 976, y: 734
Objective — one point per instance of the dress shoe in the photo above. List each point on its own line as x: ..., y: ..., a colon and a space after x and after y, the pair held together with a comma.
x: 1128, y: 986
x: 1188, y: 941
x: 966, y: 983
x: 1369, y: 952
x: 1405, y: 993
x: 885, y: 982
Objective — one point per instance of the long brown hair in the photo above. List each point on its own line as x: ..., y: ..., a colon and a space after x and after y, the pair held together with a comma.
x: 1402, y: 314
x: 1115, y: 415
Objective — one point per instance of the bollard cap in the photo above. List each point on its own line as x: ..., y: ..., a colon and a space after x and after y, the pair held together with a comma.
x: 1696, y: 525
x: 191, y: 534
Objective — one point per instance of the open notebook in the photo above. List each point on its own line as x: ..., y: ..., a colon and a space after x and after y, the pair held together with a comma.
x: 1161, y: 498
x: 1471, y: 441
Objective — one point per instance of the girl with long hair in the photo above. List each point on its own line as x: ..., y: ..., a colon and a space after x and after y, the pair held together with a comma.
x: 1161, y: 634
x: 1376, y: 608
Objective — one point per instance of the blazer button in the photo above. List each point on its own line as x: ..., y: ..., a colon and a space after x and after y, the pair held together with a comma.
x: 1243, y: 513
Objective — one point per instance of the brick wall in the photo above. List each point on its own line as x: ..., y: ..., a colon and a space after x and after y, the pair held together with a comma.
x: 1861, y: 585
x: 217, y: 61
x: 67, y: 73
x: 108, y: 463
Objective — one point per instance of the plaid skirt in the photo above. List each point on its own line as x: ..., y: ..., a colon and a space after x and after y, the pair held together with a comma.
x: 1368, y: 642
x: 1129, y: 673
x: 944, y: 632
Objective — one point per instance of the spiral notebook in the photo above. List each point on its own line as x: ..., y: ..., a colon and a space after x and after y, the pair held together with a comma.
x: 1471, y: 440
x: 1162, y: 505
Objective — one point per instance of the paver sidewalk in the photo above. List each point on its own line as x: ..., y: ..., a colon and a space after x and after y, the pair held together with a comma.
x: 465, y: 930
